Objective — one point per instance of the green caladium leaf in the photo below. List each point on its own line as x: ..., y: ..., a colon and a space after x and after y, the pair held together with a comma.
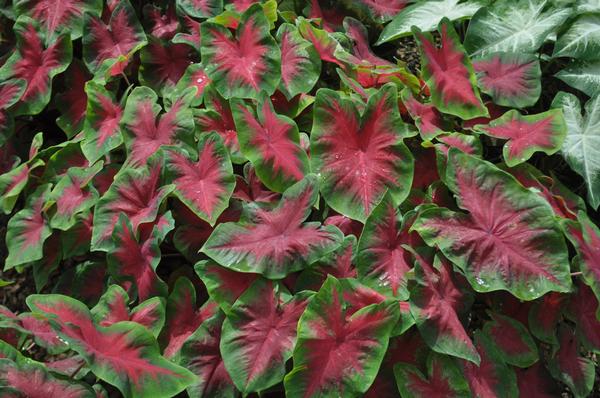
x: 125, y: 354
x: 271, y: 143
x: 36, y: 63
x: 27, y: 230
x: 581, y: 40
x: 252, y: 355
x: 359, y: 158
x: 582, y: 142
x: 339, y: 352
x: 448, y: 73
x: 201, y: 8
x: 515, y: 26
x: 583, y: 75
x: 544, y: 132
x: 277, y: 242
x: 426, y: 15
x: 244, y: 65
x: 514, y: 234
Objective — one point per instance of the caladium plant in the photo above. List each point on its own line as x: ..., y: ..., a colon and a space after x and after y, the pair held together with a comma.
x: 324, y: 198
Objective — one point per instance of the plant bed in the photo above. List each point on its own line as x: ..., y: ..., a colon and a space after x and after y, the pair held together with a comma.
x: 374, y: 198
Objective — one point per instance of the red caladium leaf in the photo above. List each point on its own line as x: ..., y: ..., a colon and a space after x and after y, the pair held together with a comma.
x: 382, y: 262
x: 27, y: 230
x: 536, y: 382
x: 191, y: 36
x: 426, y: 117
x: 444, y: 379
x: 35, y: 63
x: 11, y: 92
x: 512, y: 339
x: 73, y: 194
x: 101, y: 129
x: 511, y: 79
x: 279, y: 241
x: 585, y: 236
x: 201, y: 8
x: 218, y: 117
x: 164, y: 22
x: 125, y: 354
x: 325, y: 44
x: 59, y: 17
x: 194, y: 76
x: 449, y: 74
x: 83, y: 282
x: 134, y: 259
x: 32, y: 380
x: 259, y: 334
x: 163, y: 63
x: 584, y: 310
x: 543, y: 132
x: 13, y: 182
x: 205, y: 182
x: 137, y: 194
x: 464, y: 142
x: 73, y: 101
x: 113, y: 307
x: 146, y: 132
x: 107, y: 48
x: 249, y: 188
x: 272, y: 144
x: 300, y: 62
x: 544, y: 316
x: 570, y: 367
x: 492, y: 378
x: 514, y: 233
x: 435, y: 302
x: 379, y: 10
x: 359, y: 158
x: 183, y: 316
x: 224, y: 286
x: 201, y: 354
x: 347, y: 225
x: 339, y: 353
x: 246, y: 64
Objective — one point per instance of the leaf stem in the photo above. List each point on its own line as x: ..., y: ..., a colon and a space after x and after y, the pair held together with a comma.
x: 77, y: 370
x: 576, y: 273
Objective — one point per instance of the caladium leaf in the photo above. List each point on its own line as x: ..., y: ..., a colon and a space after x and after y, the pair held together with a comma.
x: 183, y: 317
x: 279, y: 241
x: 204, y: 182
x: 511, y: 79
x: 56, y: 18
x: 11, y: 92
x: 338, y: 353
x: 583, y: 75
x: 443, y: 379
x: 515, y: 344
x: 272, y: 144
x: 427, y: 119
x: 514, y: 26
x: 492, y: 378
x: 201, y: 354
x: 381, y: 261
x: 585, y: 236
x: 163, y: 63
x: 35, y: 63
x: 136, y: 193
x: 514, y: 234
x: 84, y: 282
x: 582, y: 143
x: 32, y: 380
x: 146, y: 132
x: 246, y: 64
x: 224, y: 286
x: 201, y: 8
x: 73, y: 194
x: 448, y: 73
x: 259, y: 334
x: 544, y: 316
x: 13, y: 182
x: 435, y: 302
x: 27, y: 230
x: 535, y: 381
x: 300, y: 62
x: 73, y: 100
x: 426, y: 15
x: 134, y: 259
x: 544, y: 132
x: 581, y: 40
x: 194, y: 76
x: 379, y: 10
x: 101, y: 128
x: 326, y: 44
x: 359, y: 158
x: 125, y: 354
x: 584, y: 310
x: 107, y: 48
x: 113, y: 307
x: 570, y: 367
